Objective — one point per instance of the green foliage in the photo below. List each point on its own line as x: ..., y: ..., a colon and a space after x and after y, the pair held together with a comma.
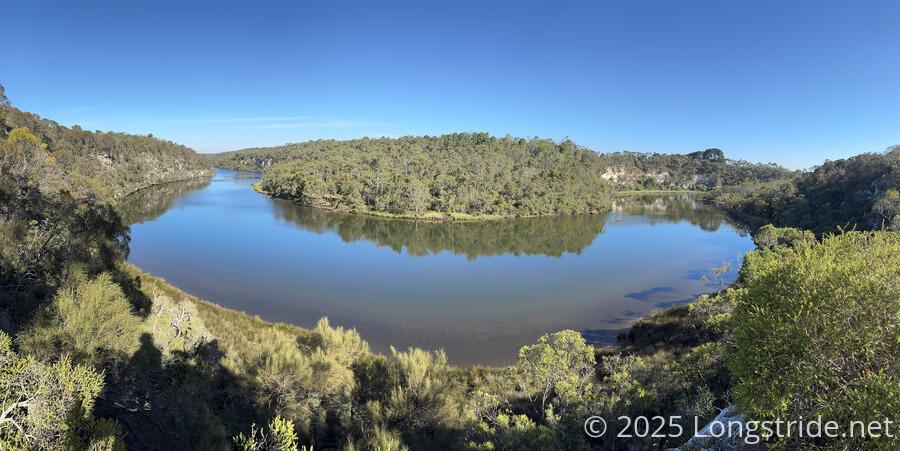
x: 816, y: 332
x: 115, y: 162
x: 48, y: 406
x: 423, y: 398
x: 279, y: 436
x: 558, y: 364
x: 769, y: 236
x: 90, y: 320
x: 858, y: 192
x: 701, y: 170
x: 515, y: 432
x: 459, y: 176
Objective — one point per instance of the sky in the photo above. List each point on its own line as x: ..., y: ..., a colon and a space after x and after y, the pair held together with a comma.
x: 791, y: 82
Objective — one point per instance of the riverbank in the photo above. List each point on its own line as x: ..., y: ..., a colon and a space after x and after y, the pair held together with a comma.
x: 428, y: 216
x: 660, y: 191
x: 204, y: 175
x: 675, y: 354
x: 675, y: 330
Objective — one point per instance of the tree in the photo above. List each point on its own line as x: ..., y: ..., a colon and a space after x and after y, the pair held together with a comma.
x: 4, y: 104
x: 769, y: 236
x: 713, y: 155
x: 418, y: 194
x: 888, y: 208
x: 561, y: 358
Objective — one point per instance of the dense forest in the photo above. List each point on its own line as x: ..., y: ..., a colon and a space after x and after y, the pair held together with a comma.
x: 110, y: 164
x: 700, y: 170
x: 859, y: 192
x: 95, y: 354
x: 460, y: 176
x: 465, y: 175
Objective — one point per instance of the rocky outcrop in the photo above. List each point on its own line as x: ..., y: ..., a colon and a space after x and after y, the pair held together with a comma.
x: 728, y: 431
x: 624, y: 179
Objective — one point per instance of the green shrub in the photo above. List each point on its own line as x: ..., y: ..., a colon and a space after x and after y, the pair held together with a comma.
x: 90, y: 320
x: 423, y: 398
x: 48, y: 406
x: 175, y: 326
x: 769, y: 236
x: 816, y: 333
x: 278, y: 436
x: 558, y: 364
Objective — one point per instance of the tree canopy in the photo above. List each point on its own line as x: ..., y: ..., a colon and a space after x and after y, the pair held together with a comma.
x: 858, y: 192
x: 460, y: 175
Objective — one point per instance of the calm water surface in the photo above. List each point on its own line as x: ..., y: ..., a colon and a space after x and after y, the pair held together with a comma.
x: 478, y: 290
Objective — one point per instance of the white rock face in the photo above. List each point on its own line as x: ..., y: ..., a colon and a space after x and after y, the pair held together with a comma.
x: 722, y: 434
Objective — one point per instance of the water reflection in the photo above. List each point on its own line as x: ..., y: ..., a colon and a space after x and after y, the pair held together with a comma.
x: 150, y: 203
x: 531, y: 236
x: 551, y: 236
x: 672, y: 208
x: 479, y: 290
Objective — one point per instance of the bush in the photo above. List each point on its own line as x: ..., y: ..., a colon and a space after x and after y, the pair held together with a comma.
x: 90, y: 320
x: 48, y: 406
x: 423, y: 398
x: 559, y: 364
x: 175, y: 326
x: 816, y: 333
x: 769, y: 236
x: 279, y: 436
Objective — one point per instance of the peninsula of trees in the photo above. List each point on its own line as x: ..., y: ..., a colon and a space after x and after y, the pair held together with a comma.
x: 457, y: 176
x: 474, y: 175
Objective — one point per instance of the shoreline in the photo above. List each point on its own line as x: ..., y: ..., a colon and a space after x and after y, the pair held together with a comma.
x: 432, y: 218
x: 626, y: 338
x: 158, y: 183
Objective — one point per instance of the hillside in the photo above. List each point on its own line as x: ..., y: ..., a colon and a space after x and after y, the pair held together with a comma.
x: 700, y: 170
x: 458, y: 176
x: 860, y: 192
x: 117, y: 164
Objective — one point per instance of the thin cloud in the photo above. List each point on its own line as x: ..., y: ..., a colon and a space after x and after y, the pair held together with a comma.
x: 330, y: 124
x: 241, y: 120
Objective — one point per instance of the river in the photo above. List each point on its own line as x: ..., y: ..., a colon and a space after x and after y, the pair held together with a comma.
x: 478, y: 290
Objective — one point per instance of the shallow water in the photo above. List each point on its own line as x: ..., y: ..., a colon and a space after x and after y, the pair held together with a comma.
x: 479, y: 290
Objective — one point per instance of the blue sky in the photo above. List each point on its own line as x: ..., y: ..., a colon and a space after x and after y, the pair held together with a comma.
x: 794, y: 82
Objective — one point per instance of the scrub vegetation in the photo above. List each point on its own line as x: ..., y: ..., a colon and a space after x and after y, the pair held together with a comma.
x: 95, y: 354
